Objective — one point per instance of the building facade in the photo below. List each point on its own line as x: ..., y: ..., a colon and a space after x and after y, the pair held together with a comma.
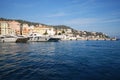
x: 4, y: 28
x: 14, y: 27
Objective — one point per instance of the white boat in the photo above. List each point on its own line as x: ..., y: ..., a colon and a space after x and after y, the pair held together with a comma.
x: 41, y: 38
x: 7, y: 38
x: 37, y: 38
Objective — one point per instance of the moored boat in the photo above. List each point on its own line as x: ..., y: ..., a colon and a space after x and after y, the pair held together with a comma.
x: 21, y: 39
x: 41, y: 38
x: 54, y: 39
x: 37, y: 39
x: 8, y: 38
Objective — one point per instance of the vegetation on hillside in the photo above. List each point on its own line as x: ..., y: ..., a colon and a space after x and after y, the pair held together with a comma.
x: 61, y: 27
x: 20, y: 21
x: 57, y: 27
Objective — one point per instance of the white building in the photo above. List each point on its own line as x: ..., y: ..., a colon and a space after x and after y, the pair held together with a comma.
x: 51, y: 31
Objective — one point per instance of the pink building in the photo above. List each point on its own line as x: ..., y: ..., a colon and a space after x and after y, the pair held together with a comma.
x: 15, y: 27
x: 25, y: 29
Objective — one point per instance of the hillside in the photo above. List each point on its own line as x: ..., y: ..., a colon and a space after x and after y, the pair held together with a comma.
x: 74, y: 32
x: 34, y: 23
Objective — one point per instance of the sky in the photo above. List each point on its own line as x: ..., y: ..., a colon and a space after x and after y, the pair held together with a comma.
x: 85, y: 15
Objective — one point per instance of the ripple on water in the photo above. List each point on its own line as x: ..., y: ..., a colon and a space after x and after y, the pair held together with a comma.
x: 67, y: 60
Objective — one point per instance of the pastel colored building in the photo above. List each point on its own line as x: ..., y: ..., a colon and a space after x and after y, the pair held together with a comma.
x: 15, y: 27
x: 4, y: 28
x: 42, y: 30
x: 25, y: 29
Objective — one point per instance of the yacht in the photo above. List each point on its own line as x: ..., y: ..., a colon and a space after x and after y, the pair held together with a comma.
x: 37, y: 38
x: 21, y: 39
x: 8, y: 38
x: 41, y: 38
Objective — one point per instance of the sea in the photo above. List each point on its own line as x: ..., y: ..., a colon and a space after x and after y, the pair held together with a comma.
x: 63, y: 60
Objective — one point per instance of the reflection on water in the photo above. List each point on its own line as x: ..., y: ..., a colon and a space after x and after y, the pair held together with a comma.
x: 67, y: 60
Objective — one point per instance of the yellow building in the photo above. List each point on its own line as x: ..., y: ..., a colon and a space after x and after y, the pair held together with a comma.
x: 4, y: 28
x: 16, y: 28
x: 43, y: 30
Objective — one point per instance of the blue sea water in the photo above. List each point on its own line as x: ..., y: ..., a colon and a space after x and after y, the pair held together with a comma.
x: 64, y: 60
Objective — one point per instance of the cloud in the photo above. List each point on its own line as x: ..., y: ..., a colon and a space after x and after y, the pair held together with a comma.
x: 111, y: 20
x: 82, y: 4
x: 82, y: 21
x: 60, y: 14
x: 90, y: 21
x: 22, y: 5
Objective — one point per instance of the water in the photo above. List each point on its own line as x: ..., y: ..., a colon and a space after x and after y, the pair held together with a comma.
x: 65, y: 60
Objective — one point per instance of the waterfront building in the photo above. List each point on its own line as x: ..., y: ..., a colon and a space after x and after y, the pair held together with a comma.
x: 63, y: 31
x: 51, y: 31
x: 4, y: 28
x: 43, y: 30
x: 68, y: 30
x: 14, y: 27
x: 31, y: 29
x: 25, y: 29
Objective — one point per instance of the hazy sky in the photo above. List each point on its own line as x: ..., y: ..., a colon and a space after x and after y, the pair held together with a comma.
x: 90, y: 15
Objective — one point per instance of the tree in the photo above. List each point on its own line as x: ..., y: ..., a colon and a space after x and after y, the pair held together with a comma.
x: 63, y: 32
x: 46, y: 33
x: 59, y: 33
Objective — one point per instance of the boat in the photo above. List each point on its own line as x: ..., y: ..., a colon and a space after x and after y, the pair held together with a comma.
x: 21, y: 39
x: 37, y: 39
x: 41, y: 38
x: 8, y: 38
x: 54, y: 39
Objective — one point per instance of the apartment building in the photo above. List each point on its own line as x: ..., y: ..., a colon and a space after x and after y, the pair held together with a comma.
x: 4, y: 28
x: 42, y: 30
x: 14, y: 27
